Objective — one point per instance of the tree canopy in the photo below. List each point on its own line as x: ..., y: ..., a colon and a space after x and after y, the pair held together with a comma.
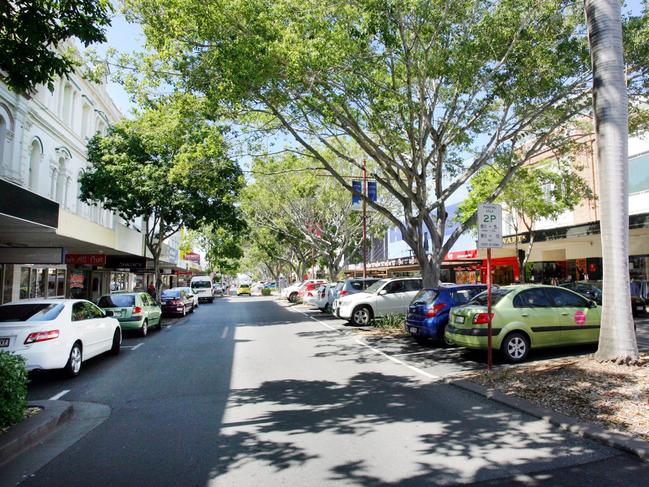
x: 170, y: 166
x: 428, y: 91
x: 32, y: 33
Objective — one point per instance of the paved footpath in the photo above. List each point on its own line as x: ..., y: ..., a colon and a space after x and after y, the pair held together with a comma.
x: 248, y: 392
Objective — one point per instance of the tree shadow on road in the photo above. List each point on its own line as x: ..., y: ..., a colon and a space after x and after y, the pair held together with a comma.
x: 452, y: 435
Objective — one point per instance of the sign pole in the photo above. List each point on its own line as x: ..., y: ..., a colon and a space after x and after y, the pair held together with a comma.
x: 490, y: 235
x: 489, y: 345
x: 364, y: 219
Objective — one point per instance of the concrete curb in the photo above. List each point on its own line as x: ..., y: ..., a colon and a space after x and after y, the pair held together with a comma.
x: 611, y: 438
x: 30, y: 432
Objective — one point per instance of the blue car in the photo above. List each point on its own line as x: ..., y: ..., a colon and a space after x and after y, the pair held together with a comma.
x: 428, y: 312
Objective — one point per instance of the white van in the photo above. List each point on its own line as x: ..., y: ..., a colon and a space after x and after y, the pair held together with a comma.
x: 202, y: 287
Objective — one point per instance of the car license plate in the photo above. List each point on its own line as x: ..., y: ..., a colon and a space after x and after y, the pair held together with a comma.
x: 4, y: 342
x: 459, y: 319
x: 413, y: 329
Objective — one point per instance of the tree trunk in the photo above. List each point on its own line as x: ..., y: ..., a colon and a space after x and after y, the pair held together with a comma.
x: 431, y: 270
x: 617, y: 341
x: 526, y: 258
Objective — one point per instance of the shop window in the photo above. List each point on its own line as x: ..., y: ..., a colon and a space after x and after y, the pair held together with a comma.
x: 51, y: 283
x: 41, y: 282
x: 24, y: 282
x: 60, y: 283
x: 639, y: 173
x: 8, y: 280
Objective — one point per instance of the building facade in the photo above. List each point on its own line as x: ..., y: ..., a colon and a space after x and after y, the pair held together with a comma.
x: 51, y: 243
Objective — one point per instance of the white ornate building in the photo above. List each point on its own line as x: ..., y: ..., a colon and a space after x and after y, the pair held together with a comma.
x: 52, y: 244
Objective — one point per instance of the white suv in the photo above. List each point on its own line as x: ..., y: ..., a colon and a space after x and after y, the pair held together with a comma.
x: 384, y: 297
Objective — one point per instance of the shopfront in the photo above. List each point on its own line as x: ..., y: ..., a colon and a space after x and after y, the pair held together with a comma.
x: 31, y: 281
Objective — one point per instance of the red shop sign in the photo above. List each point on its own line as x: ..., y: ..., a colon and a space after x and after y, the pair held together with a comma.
x: 85, y: 259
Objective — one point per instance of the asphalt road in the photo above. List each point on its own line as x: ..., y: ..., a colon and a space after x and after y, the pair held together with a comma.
x: 247, y: 391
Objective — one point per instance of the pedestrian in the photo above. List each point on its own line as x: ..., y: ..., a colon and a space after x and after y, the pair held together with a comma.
x: 151, y: 290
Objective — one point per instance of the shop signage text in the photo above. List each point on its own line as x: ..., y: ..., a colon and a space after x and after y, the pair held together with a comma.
x: 85, y: 259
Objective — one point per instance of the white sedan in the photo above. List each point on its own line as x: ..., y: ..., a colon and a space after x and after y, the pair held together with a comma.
x: 384, y: 297
x: 57, y: 333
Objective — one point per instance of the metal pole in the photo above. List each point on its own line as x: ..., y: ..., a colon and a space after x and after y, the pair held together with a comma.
x: 364, y: 219
x: 489, y: 351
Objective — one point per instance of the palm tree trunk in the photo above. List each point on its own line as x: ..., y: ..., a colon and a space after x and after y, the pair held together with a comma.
x: 617, y: 341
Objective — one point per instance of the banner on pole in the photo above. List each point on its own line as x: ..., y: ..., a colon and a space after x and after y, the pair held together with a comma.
x: 371, y: 190
x: 357, y: 186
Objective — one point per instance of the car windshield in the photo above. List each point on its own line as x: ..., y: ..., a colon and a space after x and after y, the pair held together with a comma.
x: 201, y: 284
x: 170, y: 294
x: 30, y: 312
x: 116, y: 301
x: 425, y: 296
x: 496, y: 296
x: 374, y: 288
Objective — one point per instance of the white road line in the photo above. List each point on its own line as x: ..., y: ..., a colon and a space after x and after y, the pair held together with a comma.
x: 59, y: 395
x: 225, y: 333
x: 377, y: 351
x: 135, y: 347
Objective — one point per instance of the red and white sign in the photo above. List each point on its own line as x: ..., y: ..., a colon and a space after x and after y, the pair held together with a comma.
x: 192, y: 257
x: 580, y: 317
x: 85, y: 259
x: 462, y: 254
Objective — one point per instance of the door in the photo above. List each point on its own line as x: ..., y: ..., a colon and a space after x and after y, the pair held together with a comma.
x: 101, y: 326
x: 153, y: 310
x: 82, y: 324
x: 390, y: 302
x: 578, y: 321
x: 534, y: 308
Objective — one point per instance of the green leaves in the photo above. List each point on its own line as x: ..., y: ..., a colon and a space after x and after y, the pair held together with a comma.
x: 169, y: 163
x: 32, y: 33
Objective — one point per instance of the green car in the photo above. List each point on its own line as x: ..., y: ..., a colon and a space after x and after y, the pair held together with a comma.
x: 525, y: 317
x: 135, y: 311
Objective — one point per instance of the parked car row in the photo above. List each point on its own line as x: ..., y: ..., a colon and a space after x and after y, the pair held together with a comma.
x: 523, y: 316
x: 63, y: 333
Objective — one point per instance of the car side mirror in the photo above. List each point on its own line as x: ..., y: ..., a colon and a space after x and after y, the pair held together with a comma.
x: 383, y: 292
x: 108, y: 313
x: 592, y: 304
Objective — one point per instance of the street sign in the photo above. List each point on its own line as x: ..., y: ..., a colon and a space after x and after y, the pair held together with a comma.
x: 490, y: 226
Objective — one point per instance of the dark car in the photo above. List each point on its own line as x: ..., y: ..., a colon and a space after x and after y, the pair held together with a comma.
x: 429, y: 310
x: 593, y: 290
x: 176, y: 302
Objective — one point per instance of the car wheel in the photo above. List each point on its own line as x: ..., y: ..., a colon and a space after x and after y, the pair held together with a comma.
x: 191, y: 310
x: 117, y: 342
x: 441, y: 337
x: 73, y: 367
x: 160, y: 323
x: 144, y: 331
x: 184, y: 313
x: 515, y: 347
x: 292, y: 297
x: 211, y: 300
x: 361, y: 316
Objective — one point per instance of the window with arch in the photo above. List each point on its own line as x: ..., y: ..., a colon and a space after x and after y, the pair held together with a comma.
x: 85, y: 120
x: 35, y: 158
x: 59, y: 193
x: 3, y: 137
x: 68, y: 98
